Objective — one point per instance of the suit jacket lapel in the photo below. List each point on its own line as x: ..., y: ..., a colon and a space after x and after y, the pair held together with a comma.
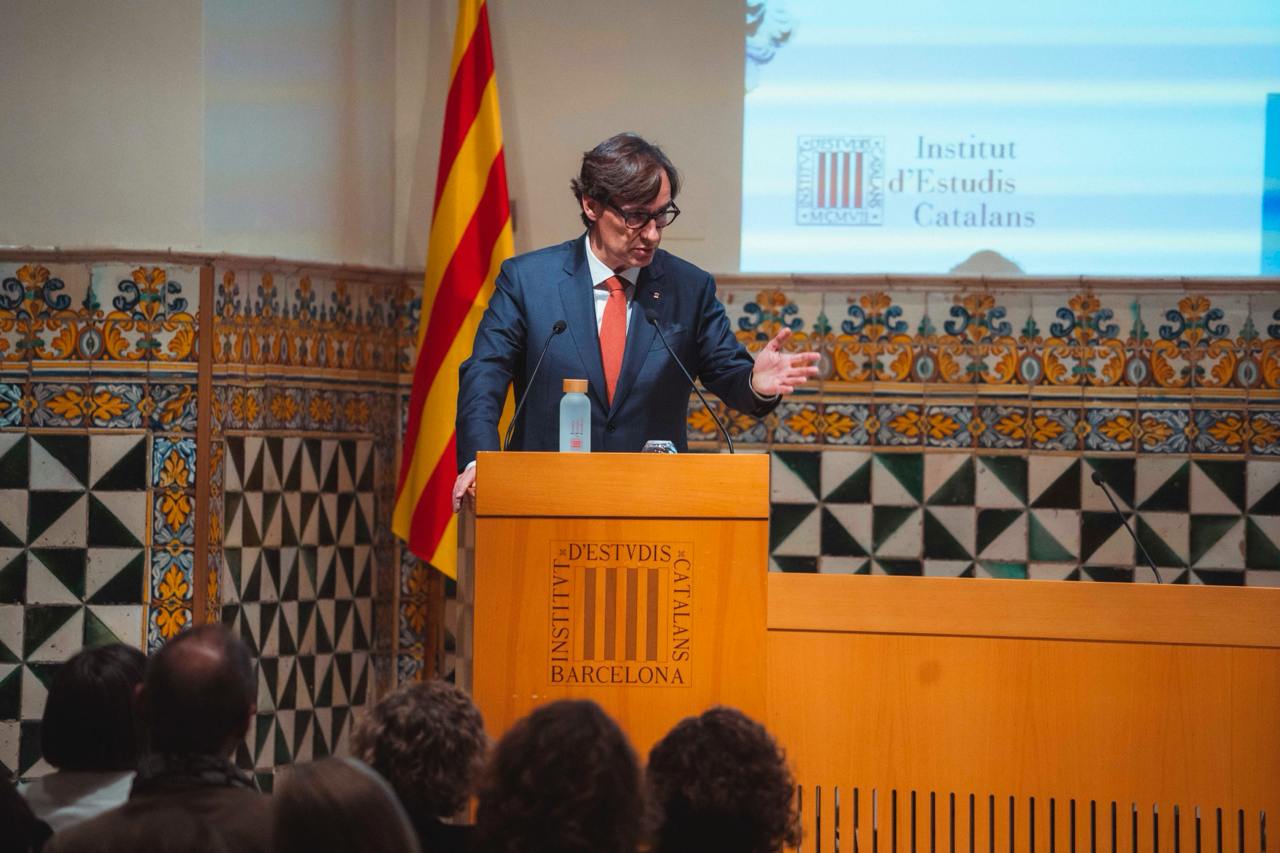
x: 639, y: 333
x: 580, y: 314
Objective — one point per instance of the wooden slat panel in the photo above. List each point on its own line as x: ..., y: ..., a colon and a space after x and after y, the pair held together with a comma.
x: 1137, y: 613
x: 1132, y: 721
x: 623, y: 485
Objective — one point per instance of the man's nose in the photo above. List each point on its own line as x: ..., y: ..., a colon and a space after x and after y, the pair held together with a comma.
x: 651, y: 231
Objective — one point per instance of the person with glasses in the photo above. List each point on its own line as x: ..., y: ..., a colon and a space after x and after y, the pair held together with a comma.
x: 604, y: 286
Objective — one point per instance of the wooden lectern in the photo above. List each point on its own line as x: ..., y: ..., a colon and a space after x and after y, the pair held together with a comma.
x: 636, y: 580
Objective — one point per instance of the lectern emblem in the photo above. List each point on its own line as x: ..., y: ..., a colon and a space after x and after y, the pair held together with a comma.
x: 621, y: 613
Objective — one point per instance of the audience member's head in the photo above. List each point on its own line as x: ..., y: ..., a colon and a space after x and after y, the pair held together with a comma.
x: 427, y: 739
x: 200, y: 693
x: 719, y: 782
x: 20, y: 830
x: 89, y: 723
x: 338, y: 804
x: 564, y: 779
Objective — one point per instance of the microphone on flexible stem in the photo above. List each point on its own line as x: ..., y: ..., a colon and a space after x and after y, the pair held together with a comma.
x: 556, y: 328
x: 651, y: 317
x: 1106, y: 490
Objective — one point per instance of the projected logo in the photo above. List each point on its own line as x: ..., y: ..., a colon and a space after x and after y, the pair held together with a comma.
x: 840, y: 180
x: 621, y: 613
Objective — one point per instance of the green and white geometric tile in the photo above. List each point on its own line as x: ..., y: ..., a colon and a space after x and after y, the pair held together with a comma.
x: 1107, y: 574
x: 846, y: 531
x: 1204, y: 520
x: 1217, y: 577
x: 949, y: 532
x: 949, y: 479
x: 1262, y: 542
x: 1263, y: 491
x: 795, y: 477
x: 949, y: 568
x: 897, y: 479
x: 1001, y: 482
x: 1053, y: 535
x: 1054, y: 482
x: 831, y: 565
x: 1054, y: 571
x: 794, y: 529
x: 73, y: 517
x: 1117, y: 472
x: 1216, y: 541
x: 1003, y: 569
x: 1165, y: 536
x: 846, y: 477
x: 1001, y: 535
x: 298, y: 576
x: 1163, y: 484
x: 1218, y: 487
x: 897, y: 532
x: 805, y: 564
x: 1104, y: 539
x: 891, y: 566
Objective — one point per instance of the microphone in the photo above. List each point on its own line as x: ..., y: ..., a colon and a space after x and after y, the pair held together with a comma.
x: 1106, y: 490
x: 556, y: 328
x: 651, y: 317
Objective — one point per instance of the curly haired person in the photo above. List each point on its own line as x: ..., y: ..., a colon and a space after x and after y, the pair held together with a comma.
x: 563, y: 780
x: 720, y: 784
x: 427, y: 739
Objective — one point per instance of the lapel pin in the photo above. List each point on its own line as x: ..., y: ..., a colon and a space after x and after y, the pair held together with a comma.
x: 657, y: 295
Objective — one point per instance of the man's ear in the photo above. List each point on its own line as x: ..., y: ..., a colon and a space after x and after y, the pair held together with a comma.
x: 592, y: 209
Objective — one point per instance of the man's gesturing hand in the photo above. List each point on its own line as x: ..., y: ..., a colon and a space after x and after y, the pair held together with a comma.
x: 778, y: 372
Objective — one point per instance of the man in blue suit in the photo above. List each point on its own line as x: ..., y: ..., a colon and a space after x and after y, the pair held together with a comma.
x: 603, y: 286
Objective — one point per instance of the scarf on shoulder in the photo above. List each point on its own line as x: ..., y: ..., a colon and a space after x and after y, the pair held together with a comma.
x: 163, y: 773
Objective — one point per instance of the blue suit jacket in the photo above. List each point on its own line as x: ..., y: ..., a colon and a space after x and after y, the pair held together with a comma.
x: 651, y: 401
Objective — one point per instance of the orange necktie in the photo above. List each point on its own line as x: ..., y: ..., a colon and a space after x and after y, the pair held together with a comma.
x: 613, y: 333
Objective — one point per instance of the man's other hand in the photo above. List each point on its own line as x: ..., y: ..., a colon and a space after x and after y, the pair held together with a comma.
x: 464, y: 488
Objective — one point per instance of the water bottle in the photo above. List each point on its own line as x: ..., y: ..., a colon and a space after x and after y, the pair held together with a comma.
x: 575, y: 418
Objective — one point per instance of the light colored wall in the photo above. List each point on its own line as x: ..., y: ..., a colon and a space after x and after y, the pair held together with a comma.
x: 310, y: 129
x: 300, y: 105
x: 569, y: 75
x: 101, y: 121
x: 572, y: 73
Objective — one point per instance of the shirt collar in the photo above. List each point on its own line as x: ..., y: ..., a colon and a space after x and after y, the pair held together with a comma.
x: 600, y: 272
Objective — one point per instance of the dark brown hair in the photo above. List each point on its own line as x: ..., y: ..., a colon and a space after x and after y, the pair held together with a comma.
x: 89, y: 722
x: 719, y: 782
x: 199, y: 691
x: 427, y: 739
x: 563, y: 780
x: 624, y: 169
x: 338, y: 804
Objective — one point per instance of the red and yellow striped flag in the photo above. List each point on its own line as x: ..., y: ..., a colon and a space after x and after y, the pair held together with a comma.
x: 470, y: 238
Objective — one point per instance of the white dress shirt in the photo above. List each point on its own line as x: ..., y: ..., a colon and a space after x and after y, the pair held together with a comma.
x: 65, y: 798
x: 600, y: 273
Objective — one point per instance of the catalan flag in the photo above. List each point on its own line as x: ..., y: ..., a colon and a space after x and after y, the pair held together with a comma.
x: 470, y: 238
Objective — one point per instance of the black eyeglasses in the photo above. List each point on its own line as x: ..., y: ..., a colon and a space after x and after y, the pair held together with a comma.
x: 637, y: 219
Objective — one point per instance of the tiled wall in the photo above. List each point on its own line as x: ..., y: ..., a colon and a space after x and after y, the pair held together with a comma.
x: 147, y: 482
x: 306, y: 397
x: 956, y: 427
x: 104, y: 512
x: 97, y: 467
